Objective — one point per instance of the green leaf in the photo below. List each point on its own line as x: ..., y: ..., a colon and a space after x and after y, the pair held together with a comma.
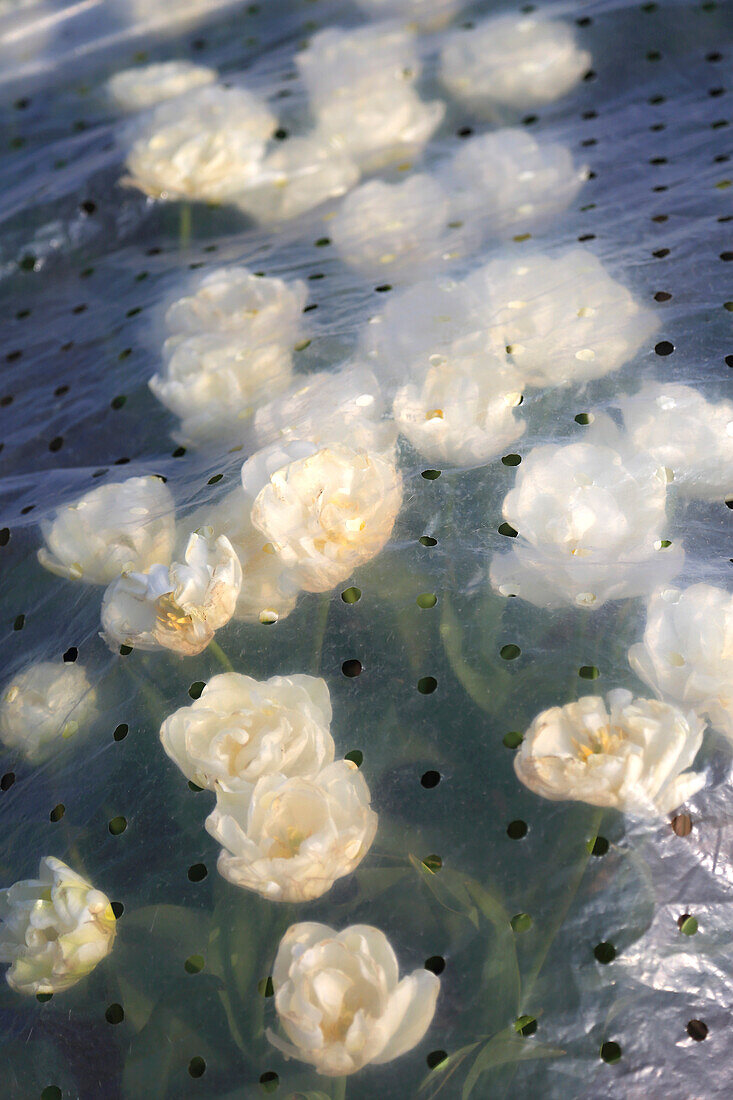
x: 505, y: 1048
x: 448, y: 889
x: 439, y: 1076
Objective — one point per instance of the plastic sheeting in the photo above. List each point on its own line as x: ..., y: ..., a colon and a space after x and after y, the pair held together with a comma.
x: 425, y: 691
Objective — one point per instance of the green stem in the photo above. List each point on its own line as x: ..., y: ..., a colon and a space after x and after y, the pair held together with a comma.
x: 562, y: 912
x: 216, y: 651
x: 185, y: 225
x: 339, y: 1088
x: 319, y: 631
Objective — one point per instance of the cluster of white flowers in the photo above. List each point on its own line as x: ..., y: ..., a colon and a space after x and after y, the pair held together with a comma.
x: 341, y: 1002
x: 360, y: 85
x: 46, y: 703
x: 290, y: 820
x: 626, y: 753
x: 146, y: 86
x: 686, y: 655
x: 512, y: 63
x: 53, y: 929
x: 591, y: 522
x: 230, y: 349
x: 215, y: 144
x: 536, y: 321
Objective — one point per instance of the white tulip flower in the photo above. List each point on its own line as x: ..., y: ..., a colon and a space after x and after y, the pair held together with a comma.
x: 505, y: 180
x: 215, y: 382
x: 295, y: 836
x: 140, y: 87
x: 43, y: 705
x: 344, y: 406
x: 629, y: 754
x: 687, y: 651
x: 258, y: 311
x: 591, y: 522
x: 512, y: 61
x: 340, y: 1000
x: 381, y: 227
x: 360, y: 87
x: 205, y: 146
x: 269, y: 592
x: 117, y: 528
x: 459, y: 416
x: 561, y: 320
x: 692, y: 437
x: 556, y: 321
x: 300, y: 174
x: 324, y: 511
x: 240, y: 730
x: 54, y: 929
x: 177, y: 607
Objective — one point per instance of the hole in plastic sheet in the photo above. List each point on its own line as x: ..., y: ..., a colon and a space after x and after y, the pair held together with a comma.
x: 513, y: 739
x: 697, y: 1030
x: 351, y: 595
x: 51, y: 1092
x: 435, y: 1058
x: 521, y: 922
x: 436, y: 964
x: 71, y: 654
x: 196, y: 688
x: 662, y: 296
x: 517, y: 830
x: 664, y: 347
x: 351, y: 668
x: 687, y: 924
x: 507, y: 530
x: 265, y: 988
x: 7, y: 781
x: 511, y: 460
x: 117, y: 908
x: 588, y: 672
x: 604, y: 952
x: 117, y: 825
x: 43, y: 998
x: 356, y: 756
x: 125, y: 650
x: 197, y: 1066
x: 510, y: 652
x: 115, y: 1014
x: 610, y: 1052
x: 269, y: 1081
x: 194, y: 964
x: 56, y: 444
x: 430, y: 779
x: 598, y: 846
x: 57, y: 812
x: 681, y: 824
x: 197, y: 872
x: 426, y: 685
x: 4, y: 536
x: 426, y: 600
x: 121, y: 732
x: 428, y: 540
x: 433, y: 863
x: 18, y: 622
x: 525, y: 1025
x: 431, y: 475
x: 118, y: 402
